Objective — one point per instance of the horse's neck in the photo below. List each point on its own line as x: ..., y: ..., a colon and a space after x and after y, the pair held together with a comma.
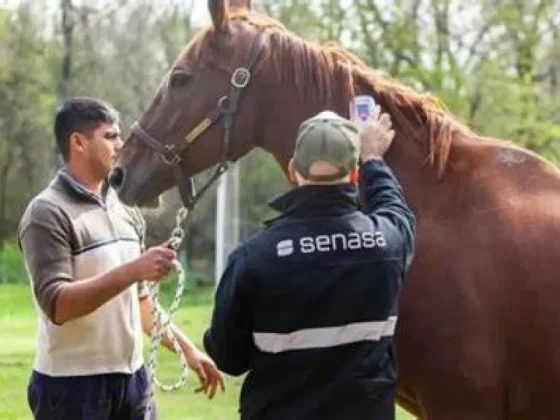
x: 407, y: 156
x: 419, y: 179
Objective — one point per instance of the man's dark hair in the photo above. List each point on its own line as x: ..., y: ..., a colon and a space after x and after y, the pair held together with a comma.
x: 80, y: 115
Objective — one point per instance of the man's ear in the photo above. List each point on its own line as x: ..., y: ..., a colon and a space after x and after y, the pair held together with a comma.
x: 77, y: 142
x: 291, y: 172
x: 354, y: 177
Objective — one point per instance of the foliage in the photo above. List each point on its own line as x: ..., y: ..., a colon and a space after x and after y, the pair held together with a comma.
x: 25, y: 105
x: 12, y: 268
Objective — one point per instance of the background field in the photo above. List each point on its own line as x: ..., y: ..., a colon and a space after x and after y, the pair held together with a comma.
x: 17, y: 323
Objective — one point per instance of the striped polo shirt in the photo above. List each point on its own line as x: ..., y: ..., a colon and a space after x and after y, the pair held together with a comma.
x: 68, y: 234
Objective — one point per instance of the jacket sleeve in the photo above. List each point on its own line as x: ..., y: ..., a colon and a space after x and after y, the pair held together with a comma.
x: 229, y: 339
x: 382, y: 197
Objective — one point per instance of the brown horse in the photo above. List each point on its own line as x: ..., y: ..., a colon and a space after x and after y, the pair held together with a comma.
x: 479, y: 315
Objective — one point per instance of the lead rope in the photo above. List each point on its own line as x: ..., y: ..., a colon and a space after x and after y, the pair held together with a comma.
x: 162, y: 321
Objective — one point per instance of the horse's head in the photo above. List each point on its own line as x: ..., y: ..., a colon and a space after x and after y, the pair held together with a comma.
x: 206, y: 103
x: 245, y: 82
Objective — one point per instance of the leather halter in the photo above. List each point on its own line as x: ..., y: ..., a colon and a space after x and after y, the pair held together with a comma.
x: 227, y: 107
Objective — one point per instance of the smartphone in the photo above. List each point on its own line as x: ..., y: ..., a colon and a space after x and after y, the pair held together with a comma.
x: 361, y: 107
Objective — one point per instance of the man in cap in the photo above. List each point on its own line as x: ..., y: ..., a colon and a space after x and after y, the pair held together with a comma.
x: 308, y: 307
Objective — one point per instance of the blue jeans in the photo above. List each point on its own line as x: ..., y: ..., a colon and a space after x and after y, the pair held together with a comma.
x: 114, y: 396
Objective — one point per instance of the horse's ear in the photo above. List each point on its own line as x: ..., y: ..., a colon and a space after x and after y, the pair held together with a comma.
x: 240, y: 4
x: 219, y: 13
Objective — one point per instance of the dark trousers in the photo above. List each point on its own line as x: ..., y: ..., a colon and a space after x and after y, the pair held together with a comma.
x: 113, y: 396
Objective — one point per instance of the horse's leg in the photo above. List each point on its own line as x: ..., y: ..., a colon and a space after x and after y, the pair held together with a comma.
x: 465, y: 391
x: 451, y: 373
x: 443, y: 413
x: 459, y: 389
x: 532, y: 400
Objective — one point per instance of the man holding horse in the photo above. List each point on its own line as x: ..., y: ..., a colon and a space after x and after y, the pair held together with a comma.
x: 309, y: 306
x: 82, y: 249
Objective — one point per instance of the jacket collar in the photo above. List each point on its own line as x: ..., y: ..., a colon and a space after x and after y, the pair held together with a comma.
x: 66, y: 181
x: 316, y: 200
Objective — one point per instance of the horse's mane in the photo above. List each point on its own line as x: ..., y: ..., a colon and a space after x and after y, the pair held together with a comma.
x: 311, y: 68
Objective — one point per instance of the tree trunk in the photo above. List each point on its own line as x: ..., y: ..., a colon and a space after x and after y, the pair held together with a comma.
x: 64, y: 88
x: 67, y: 45
x: 4, y: 202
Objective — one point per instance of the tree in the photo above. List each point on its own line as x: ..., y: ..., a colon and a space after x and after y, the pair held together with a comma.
x: 25, y: 102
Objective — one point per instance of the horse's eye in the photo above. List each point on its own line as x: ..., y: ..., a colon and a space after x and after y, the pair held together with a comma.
x: 179, y: 78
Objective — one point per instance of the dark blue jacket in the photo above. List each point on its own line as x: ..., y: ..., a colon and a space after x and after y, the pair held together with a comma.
x: 308, y: 306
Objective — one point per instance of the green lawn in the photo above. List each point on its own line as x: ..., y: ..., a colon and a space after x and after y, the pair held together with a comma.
x: 17, y: 324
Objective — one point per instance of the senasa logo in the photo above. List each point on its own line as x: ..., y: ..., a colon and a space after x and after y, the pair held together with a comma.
x: 333, y: 242
x: 285, y: 248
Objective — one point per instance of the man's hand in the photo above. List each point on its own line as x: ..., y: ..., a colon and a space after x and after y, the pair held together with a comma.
x: 154, y: 264
x: 80, y: 298
x: 208, y: 374
x: 377, y: 137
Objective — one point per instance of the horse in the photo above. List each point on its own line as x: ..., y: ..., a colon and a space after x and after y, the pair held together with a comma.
x: 479, y: 307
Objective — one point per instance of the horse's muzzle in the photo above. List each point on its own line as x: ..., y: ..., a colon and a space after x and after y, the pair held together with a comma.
x: 116, y: 179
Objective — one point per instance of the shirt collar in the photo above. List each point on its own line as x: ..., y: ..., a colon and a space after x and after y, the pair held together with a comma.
x: 317, y: 200
x: 72, y: 185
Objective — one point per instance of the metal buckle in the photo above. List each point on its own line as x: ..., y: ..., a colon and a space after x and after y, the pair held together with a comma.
x: 240, y: 77
x: 169, y: 155
x: 223, y: 103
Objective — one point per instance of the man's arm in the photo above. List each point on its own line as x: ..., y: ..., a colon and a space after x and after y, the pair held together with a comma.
x: 382, y: 196
x: 381, y: 193
x: 208, y: 375
x: 79, y: 298
x: 146, y: 308
x: 45, y: 239
x: 229, y: 339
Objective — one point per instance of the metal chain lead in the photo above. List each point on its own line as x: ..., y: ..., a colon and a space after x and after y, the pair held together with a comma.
x: 162, y: 322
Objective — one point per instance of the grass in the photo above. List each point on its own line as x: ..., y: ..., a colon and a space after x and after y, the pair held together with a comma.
x: 17, y: 324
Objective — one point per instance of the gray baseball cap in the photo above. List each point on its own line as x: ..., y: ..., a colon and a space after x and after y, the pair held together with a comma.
x: 330, y: 138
